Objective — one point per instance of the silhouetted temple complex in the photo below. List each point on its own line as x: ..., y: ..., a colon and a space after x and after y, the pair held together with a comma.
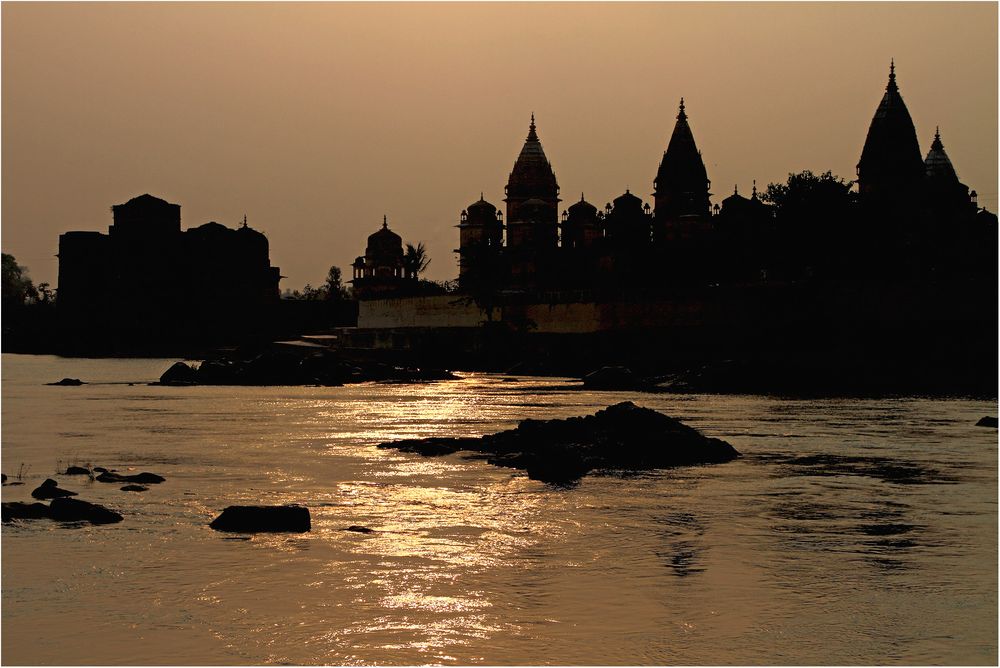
x: 901, y: 268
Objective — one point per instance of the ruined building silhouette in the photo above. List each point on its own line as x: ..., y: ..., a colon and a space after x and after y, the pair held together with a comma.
x: 149, y: 281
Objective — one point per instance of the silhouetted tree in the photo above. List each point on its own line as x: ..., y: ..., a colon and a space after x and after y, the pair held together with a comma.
x: 17, y: 287
x: 815, y: 220
x: 416, y: 259
x: 334, y: 287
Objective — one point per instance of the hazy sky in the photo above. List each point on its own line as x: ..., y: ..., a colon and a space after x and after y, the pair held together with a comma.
x: 316, y: 119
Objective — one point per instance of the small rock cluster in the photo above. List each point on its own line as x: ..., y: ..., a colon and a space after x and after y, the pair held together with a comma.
x: 280, y: 368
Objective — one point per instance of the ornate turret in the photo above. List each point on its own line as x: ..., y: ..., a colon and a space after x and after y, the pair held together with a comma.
x: 627, y: 223
x: 890, y: 170
x: 532, y: 178
x: 480, y: 232
x: 945, y: 193
x: 681, y: 185
x: 580, y: 225
x: 381, y: 269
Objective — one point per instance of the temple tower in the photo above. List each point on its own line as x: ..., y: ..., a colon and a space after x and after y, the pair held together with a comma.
x: 532, y: 179
x: 681, y: 207
x: 890, y: 171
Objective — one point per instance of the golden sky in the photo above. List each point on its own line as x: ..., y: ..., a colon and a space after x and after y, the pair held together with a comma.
x: 315, y: 119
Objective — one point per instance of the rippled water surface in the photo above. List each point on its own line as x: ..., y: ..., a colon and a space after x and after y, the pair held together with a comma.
x: 851, y: 531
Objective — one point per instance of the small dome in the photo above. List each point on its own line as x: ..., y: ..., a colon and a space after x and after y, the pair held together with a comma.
x: 482, y: 204
x: 583, y: 206
x: 384, y: 244
x: 627, y: 199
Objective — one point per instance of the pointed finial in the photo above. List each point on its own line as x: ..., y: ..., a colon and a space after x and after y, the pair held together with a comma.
x: 481, y: 198
x: 892, y: 76
x: 531, y: 129
x: 736, y: 189
x: 680, y: 114
x: 244, y: 220
x: 936, y: 144
x: 385, y: 221
x: 581, y: 196
x: 754, y: 193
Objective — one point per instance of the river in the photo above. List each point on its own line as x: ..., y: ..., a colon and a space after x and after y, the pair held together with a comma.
x: 850, y: 532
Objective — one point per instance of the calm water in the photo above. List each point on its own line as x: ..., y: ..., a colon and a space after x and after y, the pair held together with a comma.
x: 852, y: 532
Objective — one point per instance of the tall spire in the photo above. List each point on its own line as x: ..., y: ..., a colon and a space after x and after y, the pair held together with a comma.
x: 890, y: 168
x: 532, y: 136
x: 681, y: 185
x: 385, y: 221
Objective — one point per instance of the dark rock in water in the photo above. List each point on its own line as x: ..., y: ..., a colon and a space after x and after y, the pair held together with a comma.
x: 50, y: 490
x: 435, y: 447
x: 61, y: 510
x: 251, y: 519
x: 100, y: 469
x: 623, y: 436
x: 144, y: 478
x: 75, y: 510
x: 179, y: 374
x: 76, y: 470
x: 218, y: 372
x: 359, y: 529
x: 988, y: 422
x: 12, y: 484
x: 68, y: 382
x: 24, y: 511
x: 3, y: 477
x: 134, y: 488
x: 612, y: 378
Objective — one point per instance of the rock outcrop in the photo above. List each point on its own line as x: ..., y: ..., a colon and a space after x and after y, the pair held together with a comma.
x: 61, y: 510
x: 144, y: 478
x: 49, y: 489
x: 253, y: 519
x: 178, y: 374
x: 76, y: 470
x: 623, y: 436
x: 988, y: 422
x: 75, y: 510
x: 68, y: 382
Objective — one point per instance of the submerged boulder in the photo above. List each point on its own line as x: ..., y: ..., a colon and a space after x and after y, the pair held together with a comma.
x: 357, y: 528
x: 50, y: 490
x: 988, y: 422
x: 144, y: 478
x: 134, y: 488
x: 68, y: 382
x: 178, y: 374
x: 18, y: 510
x: 61, y: 510
x: 76, y: 470
x: 252, y: 519
x: 623, y: 436
x: 75, y: 510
